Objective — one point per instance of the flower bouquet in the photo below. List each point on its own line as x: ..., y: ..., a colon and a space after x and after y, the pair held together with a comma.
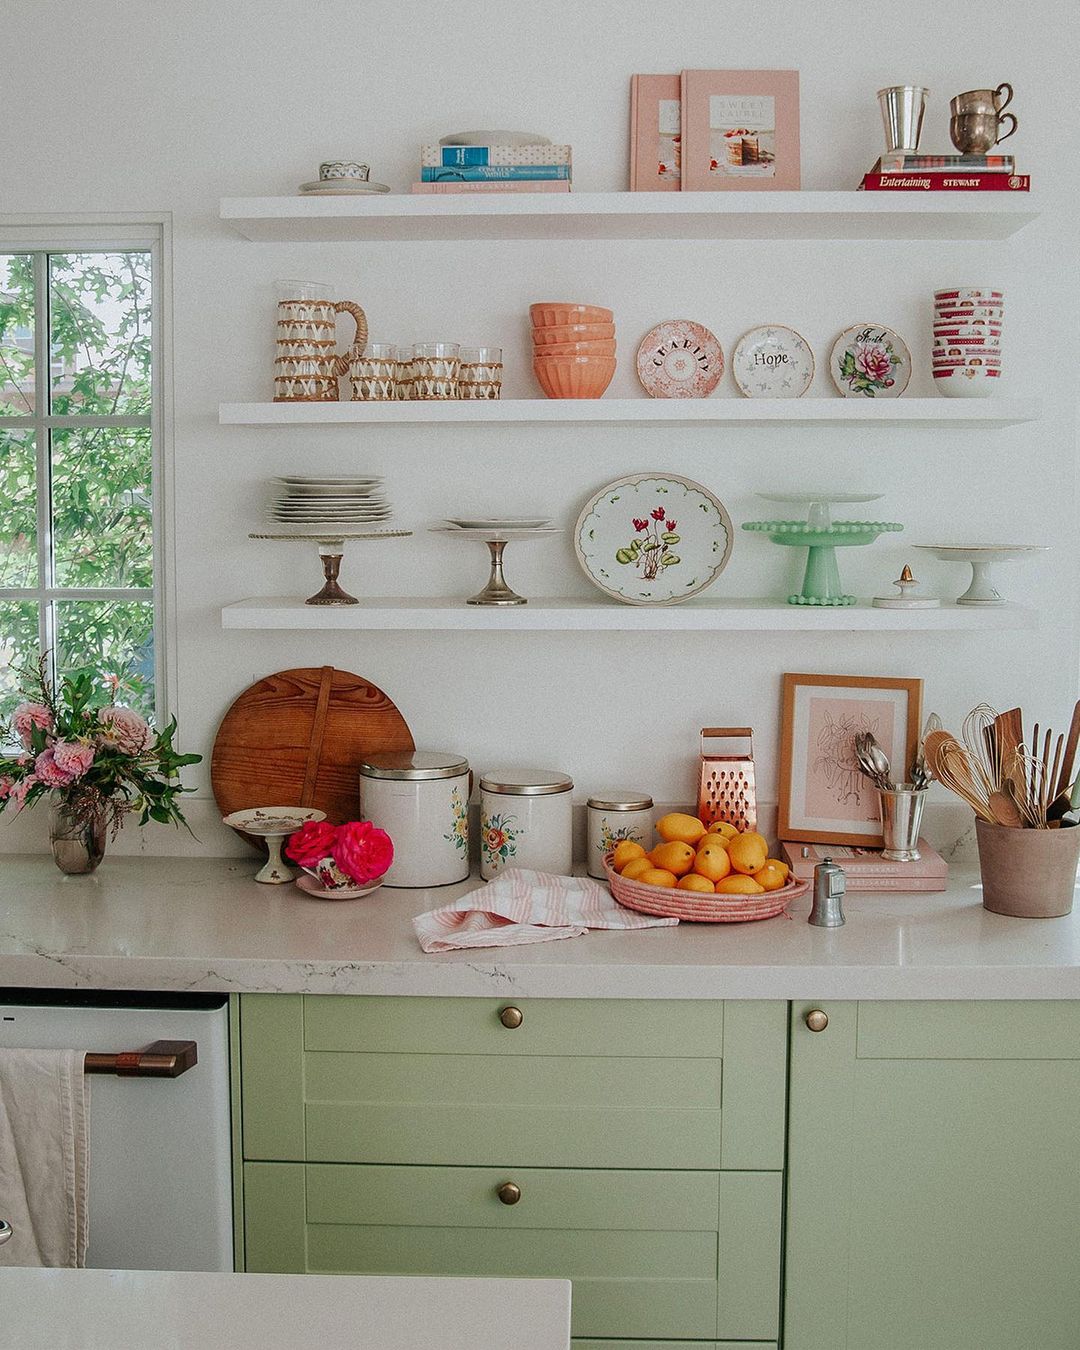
x: 343, y: 859
x: 96, y: 761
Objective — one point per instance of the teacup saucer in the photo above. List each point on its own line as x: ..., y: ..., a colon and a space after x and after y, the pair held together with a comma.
x: 313, y: 886
x: 344, y: 187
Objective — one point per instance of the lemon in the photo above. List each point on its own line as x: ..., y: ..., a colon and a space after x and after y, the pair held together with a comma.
x: 723, y: 827
x: 677, y: 825
x: 739, y: 885
x: 693, y: 882
x: 772, y: 876
x: 634, y: 868
x: 712, y: 861
x: 673, y: 856
x: 753, y: 834
x: 748, y: 853
x: 626, y: 849
x: 657, y: 876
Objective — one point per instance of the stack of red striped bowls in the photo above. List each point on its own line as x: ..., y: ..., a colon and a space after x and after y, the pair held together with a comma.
x: 573, y: 348
x: 967, y: 341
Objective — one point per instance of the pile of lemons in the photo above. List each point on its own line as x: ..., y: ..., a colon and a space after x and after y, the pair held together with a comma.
x: 714, y: 859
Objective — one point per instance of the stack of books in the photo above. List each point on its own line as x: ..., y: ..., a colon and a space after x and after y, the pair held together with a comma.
x: 945, y: 173
x: 494, y: 168
x: 866, y: 870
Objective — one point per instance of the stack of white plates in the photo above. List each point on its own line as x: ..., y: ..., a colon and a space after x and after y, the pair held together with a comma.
x: 335, y: 499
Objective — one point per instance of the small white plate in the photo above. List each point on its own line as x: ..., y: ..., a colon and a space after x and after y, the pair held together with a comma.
x: 272, y: 820
x: 314, y: 887
x: 500, y: 522
x: 347, y: 187
x: 773, y: 362
x: 869, y: 360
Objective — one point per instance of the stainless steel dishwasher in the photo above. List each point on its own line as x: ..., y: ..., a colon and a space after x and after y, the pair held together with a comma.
x: 160, y: 1146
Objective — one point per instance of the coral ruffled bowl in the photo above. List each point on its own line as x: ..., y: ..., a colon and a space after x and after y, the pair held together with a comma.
x: 548, y: 312
x: 573, y: 332
x: 602, y: 347
x: 574, y: 376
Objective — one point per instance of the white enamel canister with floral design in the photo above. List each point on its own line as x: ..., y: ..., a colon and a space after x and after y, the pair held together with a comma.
x: 614, y: 816
x: 526, y: 820
x: 421, y: 799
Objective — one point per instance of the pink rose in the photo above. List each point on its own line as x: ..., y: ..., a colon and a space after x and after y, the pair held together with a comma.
x: 49, y: 772
x: 363, y: 851
x: 27, y: 716
x: 872, y: 360
x: 123, y: 729
x: 73, y: 757
x: 311, y: 843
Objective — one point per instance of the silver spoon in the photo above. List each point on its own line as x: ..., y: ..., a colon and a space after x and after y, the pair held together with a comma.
x: 874, y: 761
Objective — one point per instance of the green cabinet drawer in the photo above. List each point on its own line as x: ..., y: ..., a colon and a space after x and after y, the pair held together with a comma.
x: 580, y: 1083
x: 579, y: 1344
x: 667, y: 1255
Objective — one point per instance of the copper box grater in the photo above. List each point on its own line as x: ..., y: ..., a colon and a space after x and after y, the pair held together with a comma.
x: 727, y: 790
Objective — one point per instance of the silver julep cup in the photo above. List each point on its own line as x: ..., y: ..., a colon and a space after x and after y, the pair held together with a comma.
x: 902, y: 110
x: 901, y: 819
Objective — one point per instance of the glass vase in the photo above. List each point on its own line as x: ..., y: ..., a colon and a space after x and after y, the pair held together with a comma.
x: 78, y: 842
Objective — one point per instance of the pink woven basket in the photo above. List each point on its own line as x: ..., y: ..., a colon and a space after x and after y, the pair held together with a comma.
x: 694, y: 907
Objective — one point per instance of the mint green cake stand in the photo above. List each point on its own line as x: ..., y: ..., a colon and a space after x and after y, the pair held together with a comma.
x: 821, y: 537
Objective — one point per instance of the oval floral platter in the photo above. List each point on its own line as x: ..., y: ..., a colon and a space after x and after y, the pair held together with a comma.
x: 773, y: 361
x: 870, y: 361
x: 679, y: 359
x: 653, y: 539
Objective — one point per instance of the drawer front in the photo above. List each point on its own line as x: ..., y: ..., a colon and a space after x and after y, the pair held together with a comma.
x: 662, y: 1255
x: 580, y: 1083
x: 579, y: 1344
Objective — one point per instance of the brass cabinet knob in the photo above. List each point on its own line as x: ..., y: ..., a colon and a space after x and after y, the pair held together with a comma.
x: 508, y: 1193
x: 511, y: 1017
x: 817, y: 1020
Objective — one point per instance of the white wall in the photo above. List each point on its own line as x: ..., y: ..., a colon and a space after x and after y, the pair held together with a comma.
x: 135, y: 106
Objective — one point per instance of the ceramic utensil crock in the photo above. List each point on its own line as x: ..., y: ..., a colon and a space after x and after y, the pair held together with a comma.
x: 614, y: 816
x: 525, y: 821
x: 1028, y: 874
x: 421, y: 799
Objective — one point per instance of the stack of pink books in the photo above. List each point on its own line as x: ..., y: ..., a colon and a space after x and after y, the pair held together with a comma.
x: 865, y: 868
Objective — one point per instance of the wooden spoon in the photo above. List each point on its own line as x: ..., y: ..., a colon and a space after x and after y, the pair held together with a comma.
x: 1004, y: 810
x: 1066, y: 773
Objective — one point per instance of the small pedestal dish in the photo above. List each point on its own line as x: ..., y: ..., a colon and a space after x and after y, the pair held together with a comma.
x: 273, y: 825
x: 496, y: 592
x: 982, y: 557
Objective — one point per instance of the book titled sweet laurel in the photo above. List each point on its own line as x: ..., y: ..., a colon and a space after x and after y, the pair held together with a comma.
x: 947, y: 182
x: 866, y: 870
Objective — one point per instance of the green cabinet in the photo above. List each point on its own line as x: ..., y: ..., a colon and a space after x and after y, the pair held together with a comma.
x: 933, y: 1185
x: 645, y: 1139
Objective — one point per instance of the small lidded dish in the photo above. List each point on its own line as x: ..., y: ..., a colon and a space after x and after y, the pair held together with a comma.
x: 613, y: 816
x: 526, y: 820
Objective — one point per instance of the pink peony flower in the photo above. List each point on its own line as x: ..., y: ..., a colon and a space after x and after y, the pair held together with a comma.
x: 123, y: 729
x: 27, y: 716
x: 362, y: 850
x: 311, y: 843
x: 49, y: 772
x: 872, y: 360
x: 73, y: 757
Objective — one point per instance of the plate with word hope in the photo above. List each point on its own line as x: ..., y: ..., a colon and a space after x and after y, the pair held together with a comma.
x: 679, y: 359
x: 773, y: 362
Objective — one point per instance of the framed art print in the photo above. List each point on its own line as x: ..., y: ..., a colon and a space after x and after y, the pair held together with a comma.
x: 655, y: 133
x: 824, y: 796
x: 740, y: 130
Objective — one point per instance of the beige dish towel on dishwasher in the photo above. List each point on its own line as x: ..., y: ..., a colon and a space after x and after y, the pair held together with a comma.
x: 44, y: 1156
x: 526, y: 906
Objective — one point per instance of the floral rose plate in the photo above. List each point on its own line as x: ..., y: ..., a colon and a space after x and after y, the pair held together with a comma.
x: 653, y: 539
x: 773, y: 362
x: 679, y: 359
x: 870, y: 361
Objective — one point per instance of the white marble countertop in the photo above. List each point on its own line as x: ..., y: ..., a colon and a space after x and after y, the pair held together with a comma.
x: 189, y: 1310
x: 205, y: 925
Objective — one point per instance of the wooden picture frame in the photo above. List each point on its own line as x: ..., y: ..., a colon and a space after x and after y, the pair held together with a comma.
x: 824, y: 796
x: 740, y: 130
x: 655, y: 133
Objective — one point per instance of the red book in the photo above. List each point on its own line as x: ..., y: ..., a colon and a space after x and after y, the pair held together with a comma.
x: 976, y: 181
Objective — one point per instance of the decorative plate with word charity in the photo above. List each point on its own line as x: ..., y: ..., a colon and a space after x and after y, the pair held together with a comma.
x: 870, y: 361
x: 773, y: 362
x: 679, y: 359
x: 653, y: 539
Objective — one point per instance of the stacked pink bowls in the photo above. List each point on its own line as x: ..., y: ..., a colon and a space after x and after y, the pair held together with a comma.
x: 573, y: 348
x: 967, y: 341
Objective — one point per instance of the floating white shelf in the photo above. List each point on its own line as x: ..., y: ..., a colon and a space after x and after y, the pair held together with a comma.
x: 982, y: 412
x: 425, y: 614
x: 631, y: 215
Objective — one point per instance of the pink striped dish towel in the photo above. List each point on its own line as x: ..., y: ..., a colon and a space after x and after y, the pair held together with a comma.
x: 525, y: 906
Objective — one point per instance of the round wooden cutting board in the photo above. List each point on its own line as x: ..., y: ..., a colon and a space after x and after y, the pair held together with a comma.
x: 297, y: 738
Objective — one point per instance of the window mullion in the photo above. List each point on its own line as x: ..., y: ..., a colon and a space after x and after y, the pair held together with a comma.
x: 43, y: 455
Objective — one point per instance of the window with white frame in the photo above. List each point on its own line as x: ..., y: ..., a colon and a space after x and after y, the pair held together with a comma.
x: 78, y: 421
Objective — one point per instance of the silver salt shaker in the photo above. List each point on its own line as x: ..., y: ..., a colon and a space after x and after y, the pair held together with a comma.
x: 829, y: 887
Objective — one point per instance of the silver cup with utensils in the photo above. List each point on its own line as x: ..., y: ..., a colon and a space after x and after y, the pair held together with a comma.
x: 901, y: 819
x: 902, y: 109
